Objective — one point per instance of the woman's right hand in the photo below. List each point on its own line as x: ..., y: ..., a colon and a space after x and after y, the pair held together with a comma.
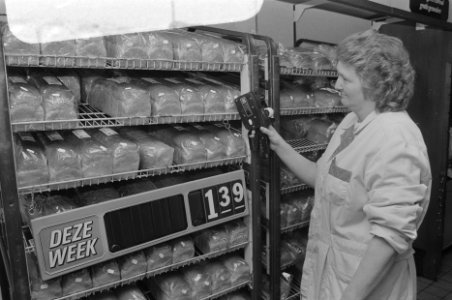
x: 276, y: 140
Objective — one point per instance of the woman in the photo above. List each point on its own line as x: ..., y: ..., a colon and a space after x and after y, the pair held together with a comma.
x: 372, y: 184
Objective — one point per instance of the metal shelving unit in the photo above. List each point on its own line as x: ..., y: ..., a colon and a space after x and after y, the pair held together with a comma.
x: 89, y: 117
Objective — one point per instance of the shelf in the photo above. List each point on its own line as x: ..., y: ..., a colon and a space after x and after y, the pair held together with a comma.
x: 370, y: 10
x: 304, y: 145
x: 199, y: 257
x: 307, y: 72
x: 63, y: 185
x: 90, y: 117
x: 294, y: 188
x: 313, y: 110
x: 118, y: 63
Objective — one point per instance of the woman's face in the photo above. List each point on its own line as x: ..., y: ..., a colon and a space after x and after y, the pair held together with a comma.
x: 352, y: 95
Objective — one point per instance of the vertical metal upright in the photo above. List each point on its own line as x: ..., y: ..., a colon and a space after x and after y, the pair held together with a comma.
x: 12, y: 245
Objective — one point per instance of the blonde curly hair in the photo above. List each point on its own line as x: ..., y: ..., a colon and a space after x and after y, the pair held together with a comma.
x: 383, y: 65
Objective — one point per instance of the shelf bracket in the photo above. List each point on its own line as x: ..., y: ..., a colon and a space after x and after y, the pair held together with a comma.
x: 299, y: 9
x: 377, y: 23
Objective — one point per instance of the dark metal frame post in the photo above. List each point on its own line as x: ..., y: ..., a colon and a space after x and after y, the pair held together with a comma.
x: 14, y: 258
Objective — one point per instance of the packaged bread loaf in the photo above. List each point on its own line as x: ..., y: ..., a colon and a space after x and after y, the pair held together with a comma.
x: 212, y: 97
x: 130, y: 292
x: 164, y: 99
x: 132, y: 265
x: 183, y: 249
x: 286, y: 99
x: 71, y: 80
x: 159, y: 45
x: 142, y: 45
x: 159, y: 256
x: 214, y: 147
x: 320, y: 61
x: 119, y: 97
x: 58, y: 100
x: 231, y: 139
x: 154, y: 153
x: 126, y: 157
x: 40, y: 289
x: 188, y: 148
x: 130, y: 45
x: 211, y: 48
x: 62, y: 159
x: 105, y: 273
x: 25, y: 100
x: 228, y: 90
x: 302, y: 95
x: 238, y: 233
x: 87, y: 79
x: 293, y: 213
x: 326, y: 97
x: 304, y: 201
x: 219, y: 275
x: 238, y: 268
x: 170, y: 287
x: 233, y: 52
x: 295, y: 128
x: 95, y: 158
x: 199, y: 282
x: 190, y: 98
x: 76, y: 282
x: 31, y: 162
x: 288, y: 178
x: 212, y: 239
x: 185, y: 47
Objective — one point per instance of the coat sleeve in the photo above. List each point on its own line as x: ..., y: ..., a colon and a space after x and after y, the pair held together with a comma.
x: 398, y: 182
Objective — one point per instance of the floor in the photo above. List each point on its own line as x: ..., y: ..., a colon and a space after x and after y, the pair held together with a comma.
x: 440, y: 289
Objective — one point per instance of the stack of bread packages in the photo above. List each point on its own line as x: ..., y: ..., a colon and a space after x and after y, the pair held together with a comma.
x: 58, y: 101
x: 154, y: 152
x: 188, y: 148
x: 120, y: 97
x: 155, y: 45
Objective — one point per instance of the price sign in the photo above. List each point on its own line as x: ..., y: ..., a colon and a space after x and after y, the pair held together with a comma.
x: 219, y: 201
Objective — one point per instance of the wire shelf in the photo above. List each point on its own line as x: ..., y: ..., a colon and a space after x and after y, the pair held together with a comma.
x: 50, y: 61
x: 313, y: 110
x: 90, y: 117
x: 294, y: 188
x: 305, y: 145
x: 199, y: 257
x: 307, y: 72
x: 64, y: 185
x: 296, y: 226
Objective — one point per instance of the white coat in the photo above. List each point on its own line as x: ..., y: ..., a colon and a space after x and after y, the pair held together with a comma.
x: 378, y: 185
